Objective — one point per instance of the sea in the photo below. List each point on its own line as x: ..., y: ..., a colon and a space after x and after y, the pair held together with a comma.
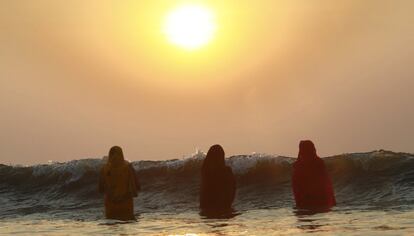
x: 374, y: 192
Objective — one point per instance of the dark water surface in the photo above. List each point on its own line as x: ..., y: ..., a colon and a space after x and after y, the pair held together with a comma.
x: 375, y: 194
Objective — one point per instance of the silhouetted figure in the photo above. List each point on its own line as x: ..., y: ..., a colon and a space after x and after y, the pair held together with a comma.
x: 119, y: 183
x: 311, y: 184
x: 218, y: 185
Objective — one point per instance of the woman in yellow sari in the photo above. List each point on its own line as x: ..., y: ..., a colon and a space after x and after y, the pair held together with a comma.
x: 120, y: 185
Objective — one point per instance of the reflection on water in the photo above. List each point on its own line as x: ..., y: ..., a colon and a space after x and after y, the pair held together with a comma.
x: 310, y: 211
x: 309, y: 224
x: 311, y: 219
x: 117, y: 222
x: 278, y: 221
x: 218, y: 221
x: 120, y: 222
x: 218, y: 214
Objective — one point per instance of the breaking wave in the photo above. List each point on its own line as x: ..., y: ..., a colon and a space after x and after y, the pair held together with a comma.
x: 372, y: 179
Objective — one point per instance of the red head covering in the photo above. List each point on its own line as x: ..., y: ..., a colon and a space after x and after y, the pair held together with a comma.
x: 311, y: 183
x: 307, y: 150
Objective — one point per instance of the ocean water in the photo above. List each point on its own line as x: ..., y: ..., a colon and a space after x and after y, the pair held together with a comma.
x: 374, y: 191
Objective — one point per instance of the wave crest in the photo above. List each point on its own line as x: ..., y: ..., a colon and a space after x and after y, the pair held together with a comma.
x: 379, y: 177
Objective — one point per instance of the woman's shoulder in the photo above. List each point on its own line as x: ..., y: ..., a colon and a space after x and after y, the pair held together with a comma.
x: 228, y: 170
x: 314, y: 163
x: 104, y: 167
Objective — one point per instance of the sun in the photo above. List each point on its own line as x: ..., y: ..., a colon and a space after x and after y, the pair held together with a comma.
x: 190, y: 26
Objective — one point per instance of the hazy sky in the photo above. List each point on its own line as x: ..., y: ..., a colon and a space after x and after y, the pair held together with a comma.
x: 77, y: 77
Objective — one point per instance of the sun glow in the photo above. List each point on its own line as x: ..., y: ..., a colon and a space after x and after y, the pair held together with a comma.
x: 190, y: 26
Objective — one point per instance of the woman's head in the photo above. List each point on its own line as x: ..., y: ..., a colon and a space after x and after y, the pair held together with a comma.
x: 116, y: 156
x: 214, y: 158
x: 307, y: 149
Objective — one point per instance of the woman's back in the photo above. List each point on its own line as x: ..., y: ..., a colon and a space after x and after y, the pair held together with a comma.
x: 119, y: 184
x: 218, y: 185
x: 218, y: 190
x: 116, y: 181
x: 311, y: 184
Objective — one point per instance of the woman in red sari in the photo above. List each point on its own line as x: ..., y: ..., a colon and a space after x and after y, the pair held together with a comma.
x: 311, y: 184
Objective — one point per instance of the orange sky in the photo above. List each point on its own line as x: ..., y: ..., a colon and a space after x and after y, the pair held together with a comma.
x: 80, y: 76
